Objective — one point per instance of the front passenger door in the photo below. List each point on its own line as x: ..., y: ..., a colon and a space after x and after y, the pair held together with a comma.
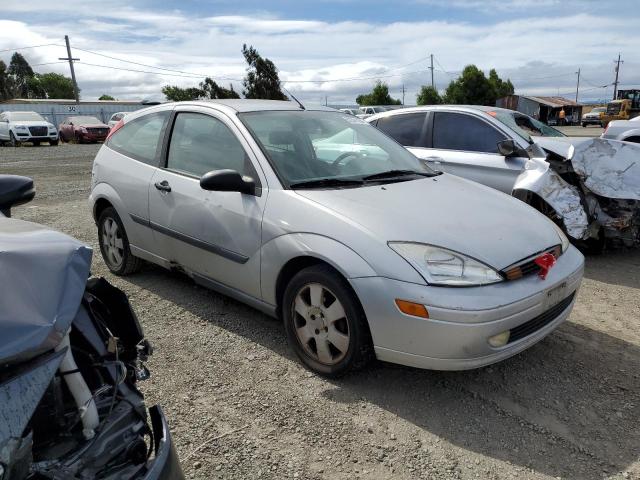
x: 468, y: 147
x: 216, y: 235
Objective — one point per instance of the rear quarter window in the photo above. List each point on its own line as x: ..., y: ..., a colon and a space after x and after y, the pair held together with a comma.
x: 141, y: 139
x: 405, y: 128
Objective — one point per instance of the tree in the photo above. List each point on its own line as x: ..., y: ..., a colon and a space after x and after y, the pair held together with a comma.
x: 378, y: 96
x: 212, y: 90
x: 473, y: 88
x: 21, y: 72
x: 7, y: 87
x: 51, y: 85
x: 262, y: 79
x: 428, y: 96
x: 501, y: 88
x: 207, y: 89
x: 104, y: 96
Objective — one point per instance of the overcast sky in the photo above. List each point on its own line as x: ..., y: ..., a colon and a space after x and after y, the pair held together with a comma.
x: 538, y: 44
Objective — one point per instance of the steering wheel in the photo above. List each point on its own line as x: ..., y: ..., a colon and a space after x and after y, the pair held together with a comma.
x: 338, y: 160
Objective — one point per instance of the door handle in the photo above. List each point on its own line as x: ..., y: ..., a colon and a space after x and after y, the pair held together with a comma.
x: 163, y: 186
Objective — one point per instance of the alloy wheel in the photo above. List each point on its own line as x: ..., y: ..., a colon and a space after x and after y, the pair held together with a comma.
x: 320, y: 324
x: 112, y: 242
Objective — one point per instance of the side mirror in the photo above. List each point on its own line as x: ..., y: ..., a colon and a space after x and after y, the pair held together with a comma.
x: 15, y: 190
x: 227, y: 181
x: 508, y: 148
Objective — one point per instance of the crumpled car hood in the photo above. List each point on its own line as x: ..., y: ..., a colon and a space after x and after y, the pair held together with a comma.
x: 43, y: 274
x: 609, y: 168
x: 446, y: 211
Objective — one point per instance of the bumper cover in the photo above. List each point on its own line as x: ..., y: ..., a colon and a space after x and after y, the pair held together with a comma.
x: 165, y: 465
x: 455, y: 337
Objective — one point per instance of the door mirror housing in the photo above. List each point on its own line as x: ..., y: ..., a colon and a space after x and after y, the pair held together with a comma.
x: 509, y: 148
x: 15, y: 190
x: 227, y: 181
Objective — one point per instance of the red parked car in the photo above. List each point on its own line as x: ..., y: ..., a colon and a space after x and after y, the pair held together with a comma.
x: 83, y: 129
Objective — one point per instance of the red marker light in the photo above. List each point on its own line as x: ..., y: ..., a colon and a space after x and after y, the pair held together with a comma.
x: 545, y: 262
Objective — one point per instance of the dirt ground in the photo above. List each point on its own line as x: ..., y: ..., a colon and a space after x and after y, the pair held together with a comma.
x: 240, y: 406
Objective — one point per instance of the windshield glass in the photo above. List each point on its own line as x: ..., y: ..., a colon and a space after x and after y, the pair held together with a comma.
x: 598, y: 110
x: 26, y: 117
x: 305, y: 146
x: 524, y: 125
x: 85, y: 120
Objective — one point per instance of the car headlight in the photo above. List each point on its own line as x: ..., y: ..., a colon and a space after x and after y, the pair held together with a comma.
x: 440, y: 266
x: 20, y: 127
x: 564, y: 241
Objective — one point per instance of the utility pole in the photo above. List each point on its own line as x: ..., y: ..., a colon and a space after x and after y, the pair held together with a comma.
x: 73, y: 73
x: 403, y: 94
x: 578, y: 86
x: 433, y: 85
x: 615, y: 84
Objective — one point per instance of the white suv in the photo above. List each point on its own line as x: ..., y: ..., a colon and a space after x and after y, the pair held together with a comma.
x: 19, y: 127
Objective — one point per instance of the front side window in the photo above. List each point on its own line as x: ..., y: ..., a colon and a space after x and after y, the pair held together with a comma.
x: 202, y: 143
x: 405, y: 129
x: 140, y: 138
x: 524, y: 125
x: 311, y: 146
x: 459, y: 131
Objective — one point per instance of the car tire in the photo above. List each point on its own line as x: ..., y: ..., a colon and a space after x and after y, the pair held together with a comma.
x: 53, y: 143
x: 36, y: 144
x: 13, y: 141
x: 114, y: 244
x: 319, y: 306
x: 584, y: 125
x: 78, y: 138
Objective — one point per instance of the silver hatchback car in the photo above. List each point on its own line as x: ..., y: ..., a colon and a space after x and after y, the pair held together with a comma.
x: 313, y: 216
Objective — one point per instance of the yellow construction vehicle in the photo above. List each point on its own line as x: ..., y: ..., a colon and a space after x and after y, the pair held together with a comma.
x: 626, y: 107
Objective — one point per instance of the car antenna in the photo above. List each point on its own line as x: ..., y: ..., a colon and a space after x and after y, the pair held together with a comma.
x: 291, y: 95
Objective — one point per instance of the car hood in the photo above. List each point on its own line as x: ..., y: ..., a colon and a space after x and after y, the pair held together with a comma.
x: 43, y: 275
x: 446, y: 211
x: 607, y: 167
x: 91, y: 125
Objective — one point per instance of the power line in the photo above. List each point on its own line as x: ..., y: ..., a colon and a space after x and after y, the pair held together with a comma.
x: 30, y: 46
x: 195, y: 76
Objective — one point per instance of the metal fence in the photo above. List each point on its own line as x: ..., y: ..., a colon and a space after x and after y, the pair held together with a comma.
x: 58, y: 112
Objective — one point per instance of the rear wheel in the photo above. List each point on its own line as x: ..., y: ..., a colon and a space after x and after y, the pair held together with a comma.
x: 114, y: 244
x: 324, y: 322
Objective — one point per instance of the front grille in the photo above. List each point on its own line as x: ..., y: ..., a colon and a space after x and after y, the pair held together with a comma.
x: 540, y: 321
x: 527, y: 267
x: 38, y: 131
x: 98, y: 131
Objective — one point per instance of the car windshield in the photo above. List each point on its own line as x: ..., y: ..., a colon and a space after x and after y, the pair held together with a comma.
x: 598, y: 110
x: 524, y: 125
x: 330, y: 149
x: 25, y: 117
x: 85, y: 120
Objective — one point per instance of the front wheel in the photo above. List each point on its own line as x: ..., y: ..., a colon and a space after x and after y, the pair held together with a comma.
x: 114, y: 244
x: 53, y: 143
x: 12, y: 140
x: 324, y: 322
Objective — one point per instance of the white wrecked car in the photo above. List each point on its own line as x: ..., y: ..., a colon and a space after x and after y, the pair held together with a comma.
x: 589, y: 186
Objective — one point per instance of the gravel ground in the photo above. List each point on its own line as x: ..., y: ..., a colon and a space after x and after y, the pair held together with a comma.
x: 240, y: 406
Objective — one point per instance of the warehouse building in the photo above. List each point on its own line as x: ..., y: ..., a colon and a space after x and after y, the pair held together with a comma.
x: 545, y: 109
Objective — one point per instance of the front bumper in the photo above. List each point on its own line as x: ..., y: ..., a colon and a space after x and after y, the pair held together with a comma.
x: 93, y: 137
x: 461, y: 320
x: 27, y: 137
x: 165, y: 465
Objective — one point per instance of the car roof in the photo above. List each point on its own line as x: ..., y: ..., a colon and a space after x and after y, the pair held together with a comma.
x: 250, y: 105
x: 431, y: 108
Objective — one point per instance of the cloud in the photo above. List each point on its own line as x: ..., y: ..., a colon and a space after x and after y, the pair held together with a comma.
x: 538, y: 52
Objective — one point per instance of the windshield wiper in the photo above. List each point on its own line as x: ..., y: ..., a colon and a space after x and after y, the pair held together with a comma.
x: 393, y: 174
x: 326, y: 182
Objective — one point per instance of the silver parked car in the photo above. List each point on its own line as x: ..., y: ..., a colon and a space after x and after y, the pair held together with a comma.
x: 315, y: 217
x: 19, y: 127
x: 588, y: 186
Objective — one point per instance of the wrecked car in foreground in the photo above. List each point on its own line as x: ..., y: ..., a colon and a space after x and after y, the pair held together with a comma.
x: 71, y: 353
x: 588, y: 186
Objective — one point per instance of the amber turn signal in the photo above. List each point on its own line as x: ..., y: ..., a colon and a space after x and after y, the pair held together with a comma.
x: 414, y: 309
